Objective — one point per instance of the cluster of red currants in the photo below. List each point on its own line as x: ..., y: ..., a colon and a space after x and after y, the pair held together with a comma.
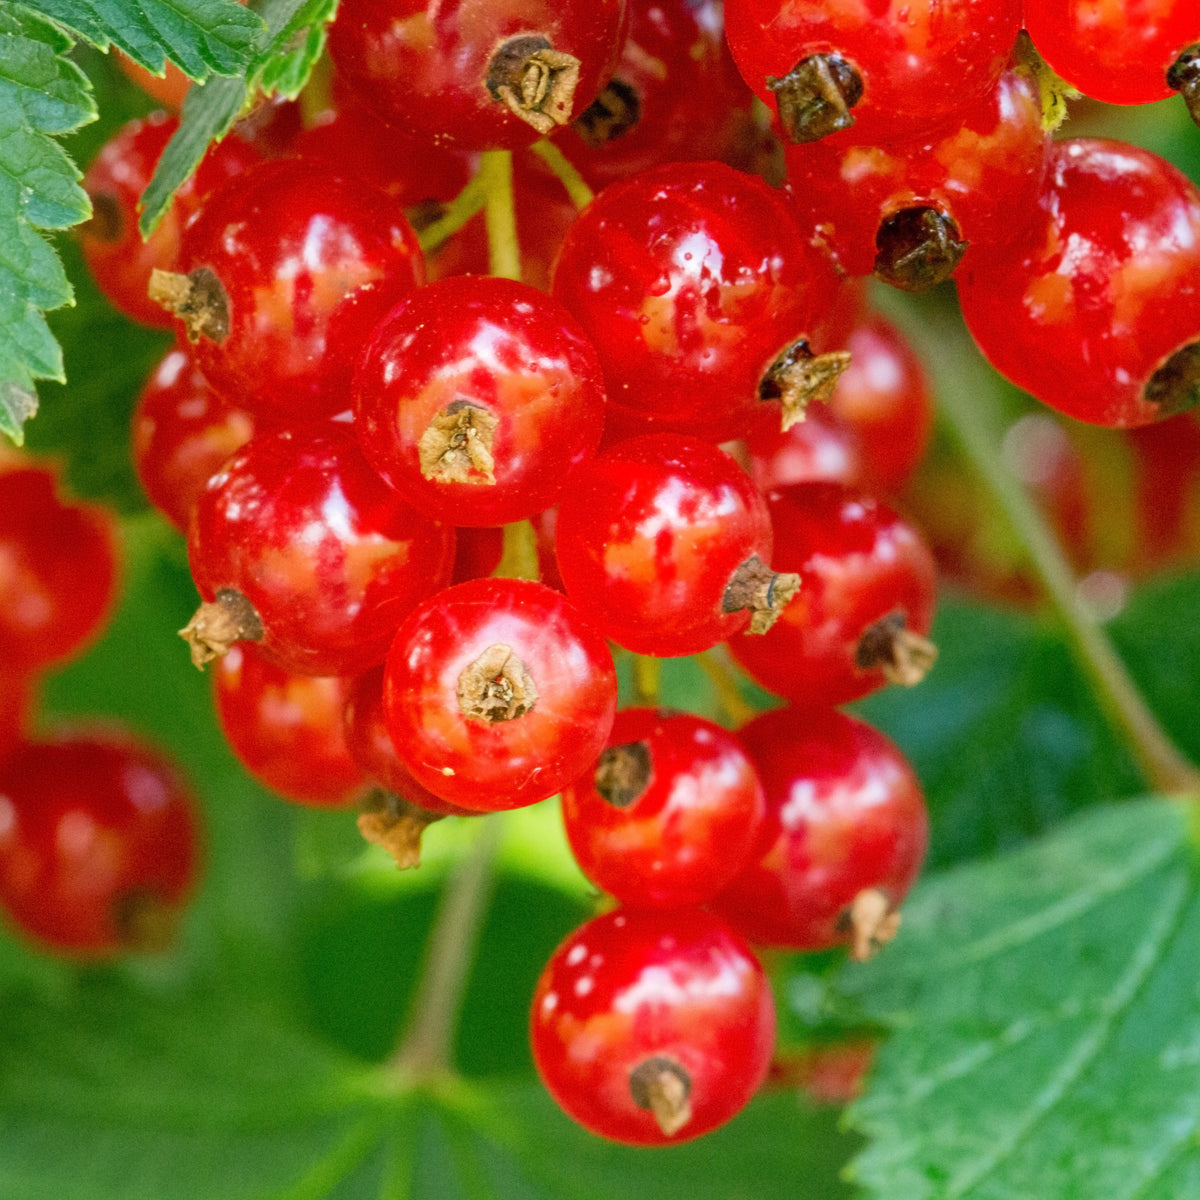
x: 359, y: 409
x: 98, y: 832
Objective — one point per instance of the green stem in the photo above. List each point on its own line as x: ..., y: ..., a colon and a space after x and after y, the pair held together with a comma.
x: 504, y: 249
x: 519, y: 557
x: 459, y: 211
x: 647, y: 680
x: 426, y: 1048
x: 725, y: 684
x: 564, y: 171
x: 963, y: 396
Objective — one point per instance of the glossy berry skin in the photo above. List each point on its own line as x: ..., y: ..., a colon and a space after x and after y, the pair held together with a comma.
x: 119, y: 260
x: 17, y: 701
x: 329, y: 556
x: 98, y: 843
x: 821, y: 448
x: 669, y: 813
x: 985, y: 172
x: 675, y: 95
x: 920, y: 62
x: 502, y: 358
x: 632, y: 988
x: 885, y: 397
x: 649, y: 536
x: 182, y: 434
x: 58, y: 570
x: 1117, y: 52
x: 370, y: 746
x: 844, y: 814
x: 1105, y: 291
x: 286, y: 729
x: 690, y: 280
x: 859, y: 564
x: 308, y: 263
x: 423, y: 65
x: 445, y: 693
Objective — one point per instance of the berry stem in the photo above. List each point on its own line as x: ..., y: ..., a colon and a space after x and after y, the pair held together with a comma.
x: 519, y: 557
x: 965, y: 384
x: 565, y: 172
x: 427, y: 1044
x: 458, y: 212
x: 504, y: 249
x: 647, y: 680
x: 725, y: 684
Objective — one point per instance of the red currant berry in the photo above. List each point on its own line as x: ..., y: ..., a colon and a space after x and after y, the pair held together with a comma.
x: 1098, y: 313
x: 821, y: 448
x: 476, y: 398
x: 698, y: 289
x: 498, y: 694
x: 58, y: 570
x: 663, y: 543
x: 183, y: 433
x: 865, y: 602
x: 98, y: 843
x: 286, y: 272
x: 299, y: 545
x: 286, y: 729
x: 453, y: 73
x: 653, y: 1027
x: 844, y: 835
x: 670, y: 812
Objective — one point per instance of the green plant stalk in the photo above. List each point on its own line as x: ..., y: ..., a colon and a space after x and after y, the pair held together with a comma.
x: 504, y: 249
x: 967, y: 389
x: 459, y: 211
x: 426, y: 1046
x: 565, y: 172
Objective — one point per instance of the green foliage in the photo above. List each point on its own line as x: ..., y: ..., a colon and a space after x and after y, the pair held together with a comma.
x: 42, y: 96
x: 1047, y: 1031
x: 294, y: 40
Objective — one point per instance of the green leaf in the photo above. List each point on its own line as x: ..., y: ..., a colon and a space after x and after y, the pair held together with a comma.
x: 294, y: 40
x: 42, y: 96
x: 1047, y: 1030
x: 208, y: 1098
x: 1004, y: 733
x: 198, y: 36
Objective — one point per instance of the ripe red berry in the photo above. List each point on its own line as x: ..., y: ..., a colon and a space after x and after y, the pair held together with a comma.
x: 476, y: 398
x: 58, y: 569
x: 286, y: 729
x: 653, y: 1027
x: 497, y: 693
x: 864, y: 605
x: 669, y: 813
x: 663, y: 542
x: 98, y: 843
x: 299, y: 545
x: 1098, y: 313
x: 843, y: 839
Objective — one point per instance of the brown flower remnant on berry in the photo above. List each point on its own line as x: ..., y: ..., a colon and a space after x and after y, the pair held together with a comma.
x: 764, y: 592
x: 456, y: 446
x: 904, y: 656
x: 497, y: 686
x: 534, y: 81
x: 217, y: 624
x: 661, y: 1086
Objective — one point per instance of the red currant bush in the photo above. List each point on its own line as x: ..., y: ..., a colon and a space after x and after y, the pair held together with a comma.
x: 497, y: 693
x: 653, y: 1027
x: 669, y: 813
x: 843, y: 839
x: 98, y: 843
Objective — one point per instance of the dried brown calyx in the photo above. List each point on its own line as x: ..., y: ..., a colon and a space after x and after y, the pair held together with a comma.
x: 496, y: 686
x: 146, y: 921
x: 1175, y: 386
x: 904, y: 656
x: 456, y: 446
x: 105, y: 224
x: 871, y: 921
x: 917, y: 248
x: 661, y: 1086
x: 198, y: 299
x: 1184, y: 76
x: 392, y: 822
x: 764, y: 592
x: 815, y: 97
x: 534, y: 81
x: 797, y: 377
x: 217, y: 624
x: 622, y: 773
x: 611, y: 115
